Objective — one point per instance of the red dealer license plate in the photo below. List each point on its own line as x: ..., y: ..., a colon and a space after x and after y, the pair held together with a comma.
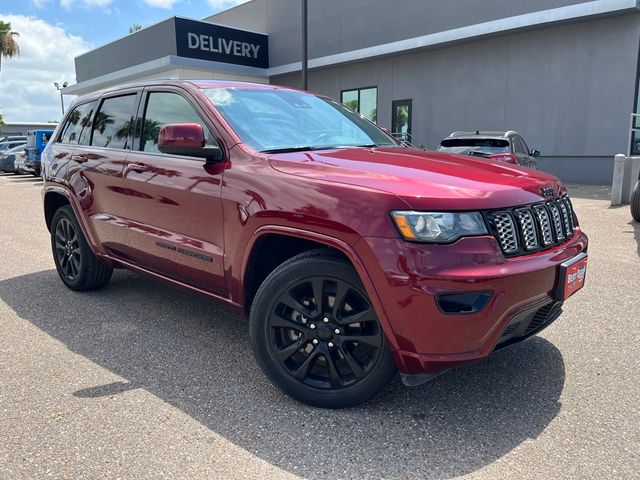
x: 571, y: 276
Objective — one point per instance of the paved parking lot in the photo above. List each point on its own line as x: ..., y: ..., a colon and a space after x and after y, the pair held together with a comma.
x: 142, y: 381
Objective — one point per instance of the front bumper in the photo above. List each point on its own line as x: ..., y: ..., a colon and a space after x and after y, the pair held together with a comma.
x: 409, y: 277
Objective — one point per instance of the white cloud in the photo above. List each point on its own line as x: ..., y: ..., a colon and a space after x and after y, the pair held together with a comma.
x: 167, y: 4
x: 224, y: 4
x: 67, y: 4
x: 47, y: 51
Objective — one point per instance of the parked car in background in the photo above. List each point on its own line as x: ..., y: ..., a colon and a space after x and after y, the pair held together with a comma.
x: 19, y: 164
x: 353, y: 254
x: 36, y: 141
x: 507, y: 147
x: 10, y: 142
x: 8, y: 157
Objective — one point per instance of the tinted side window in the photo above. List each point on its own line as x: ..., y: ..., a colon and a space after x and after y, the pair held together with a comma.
x: 164, y: 108
x: 113, y: 122
x: 517, y: 145
x: 78, y: 126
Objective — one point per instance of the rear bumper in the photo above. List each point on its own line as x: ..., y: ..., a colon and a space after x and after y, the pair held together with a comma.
x: 409, y: 277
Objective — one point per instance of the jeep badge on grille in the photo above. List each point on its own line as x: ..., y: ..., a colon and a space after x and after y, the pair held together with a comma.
x: 547, y: 192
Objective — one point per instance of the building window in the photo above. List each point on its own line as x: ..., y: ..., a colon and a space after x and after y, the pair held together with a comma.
x: 362, y: 100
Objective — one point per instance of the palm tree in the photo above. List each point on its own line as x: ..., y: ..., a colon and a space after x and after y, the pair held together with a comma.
x: 8, y: 45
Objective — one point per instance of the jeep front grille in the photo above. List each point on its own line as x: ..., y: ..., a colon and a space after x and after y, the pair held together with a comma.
x: 534, y: 227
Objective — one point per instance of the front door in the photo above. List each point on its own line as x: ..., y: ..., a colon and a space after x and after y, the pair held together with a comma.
x: 401, y: 120
x: 175, y: 213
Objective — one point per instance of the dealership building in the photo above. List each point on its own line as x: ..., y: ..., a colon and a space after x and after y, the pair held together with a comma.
x: 563, y: 73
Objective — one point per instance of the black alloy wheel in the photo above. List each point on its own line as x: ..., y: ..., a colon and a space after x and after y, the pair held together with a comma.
x: 76, y: 264
x: 316, y: 333
x: 67, y: 249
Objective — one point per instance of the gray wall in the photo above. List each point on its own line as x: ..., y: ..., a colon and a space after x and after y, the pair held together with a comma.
x: 139, y: 47
x: 339, y: 26
x: 568, y: 89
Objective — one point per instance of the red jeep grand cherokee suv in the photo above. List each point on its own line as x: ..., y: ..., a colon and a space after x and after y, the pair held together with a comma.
x: 353, y: 254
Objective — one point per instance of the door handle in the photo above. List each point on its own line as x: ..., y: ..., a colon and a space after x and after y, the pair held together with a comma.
x: 137, y: 167
x: 79, y: 158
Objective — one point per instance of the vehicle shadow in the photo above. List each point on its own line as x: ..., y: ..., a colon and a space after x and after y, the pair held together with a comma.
x: 195, y: 355
x: 24, y: 179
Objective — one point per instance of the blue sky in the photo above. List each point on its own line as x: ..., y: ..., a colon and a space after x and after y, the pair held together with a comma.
x: 53, y: 32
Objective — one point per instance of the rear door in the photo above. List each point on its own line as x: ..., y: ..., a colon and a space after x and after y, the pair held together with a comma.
x: 174, y: 201
x: 97, y: 164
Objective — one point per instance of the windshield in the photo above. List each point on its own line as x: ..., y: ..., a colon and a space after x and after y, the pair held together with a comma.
x: 286, y: 120
x: 482, y: 145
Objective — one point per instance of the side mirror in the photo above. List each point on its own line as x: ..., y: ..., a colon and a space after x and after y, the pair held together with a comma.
x: 187, y: 139
x: 535, y: 153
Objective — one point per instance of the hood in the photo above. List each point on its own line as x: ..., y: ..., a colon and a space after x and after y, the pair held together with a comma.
x: 424, y: 180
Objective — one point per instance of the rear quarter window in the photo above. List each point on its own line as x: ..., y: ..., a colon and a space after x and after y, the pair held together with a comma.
x: 77, y: 129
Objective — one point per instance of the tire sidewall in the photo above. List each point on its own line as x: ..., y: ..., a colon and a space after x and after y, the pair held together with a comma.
x: 67, y: 213
x: 283, y: 278
x: 635, y: 203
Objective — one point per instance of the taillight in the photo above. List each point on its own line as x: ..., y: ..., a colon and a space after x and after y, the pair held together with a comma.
x: 504, y: 157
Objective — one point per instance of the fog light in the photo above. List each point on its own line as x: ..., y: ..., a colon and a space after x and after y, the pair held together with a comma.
x: 466, y: 303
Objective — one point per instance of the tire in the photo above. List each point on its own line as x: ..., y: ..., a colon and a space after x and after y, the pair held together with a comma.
x: 76, y: 264
x: 349, y: 362
x: 635, y: 203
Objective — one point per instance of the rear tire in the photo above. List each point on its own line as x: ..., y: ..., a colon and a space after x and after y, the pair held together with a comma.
x: 77, y: 266
x: 316, y: 335
x: 635, y: 203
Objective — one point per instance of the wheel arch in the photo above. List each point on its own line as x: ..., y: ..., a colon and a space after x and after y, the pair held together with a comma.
x: 52, y: 201
x: 314, y: 240
x: 55, y: 197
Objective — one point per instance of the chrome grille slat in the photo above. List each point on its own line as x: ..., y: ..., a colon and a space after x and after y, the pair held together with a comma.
x: 556, y: 220
x: 544, y: 223
x: 529, y: 233
x: 533, y: 227
x: 565, y: 217
x: 507, y: 235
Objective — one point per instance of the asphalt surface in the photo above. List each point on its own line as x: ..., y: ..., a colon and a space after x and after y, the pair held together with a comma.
x: 139, y: 380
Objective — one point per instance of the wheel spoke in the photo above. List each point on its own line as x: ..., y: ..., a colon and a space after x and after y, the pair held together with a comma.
x: 75, y: 262
x: 355, y: 367
x: 65, y: 228
x: 60, y: 251
x: 334, y: 377
x: 288, y: 300
x: 279, y: 322
x: 59, y: 235
x: 341, y: 292
x: 285, y: 353
x: 303, y: 370
x: 67, y: 267
x: 367, y: 315
x: 317, y: 284
x: 372, y: 339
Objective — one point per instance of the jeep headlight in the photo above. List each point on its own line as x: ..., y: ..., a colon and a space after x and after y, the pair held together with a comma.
x: 438, y: 227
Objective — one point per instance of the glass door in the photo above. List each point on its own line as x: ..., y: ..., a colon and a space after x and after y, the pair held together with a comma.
x: 401, y: 120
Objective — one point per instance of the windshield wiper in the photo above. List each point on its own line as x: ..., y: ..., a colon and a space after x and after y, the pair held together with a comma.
x: 301, y: 148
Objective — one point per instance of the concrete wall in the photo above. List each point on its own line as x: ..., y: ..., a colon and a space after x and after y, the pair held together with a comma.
x: 569, y: 90
x: 339, y: 26
x: 139, y: 47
